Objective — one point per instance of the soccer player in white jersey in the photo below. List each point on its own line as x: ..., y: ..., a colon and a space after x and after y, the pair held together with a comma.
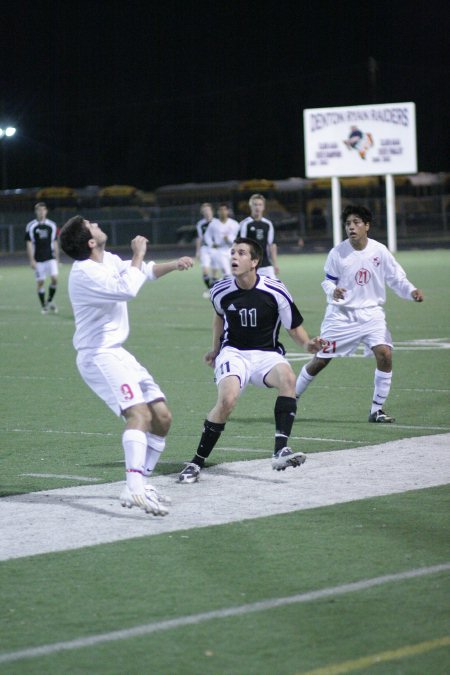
x: 41, y: 237
x: 100, y: 285
x: 356, y: 273
x: 219, y: 235
x: 203, y: 249
x: 249, y: 310
x: 261, y: 229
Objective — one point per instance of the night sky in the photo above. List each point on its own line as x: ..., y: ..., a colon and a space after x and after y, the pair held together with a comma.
x: 156, y: 93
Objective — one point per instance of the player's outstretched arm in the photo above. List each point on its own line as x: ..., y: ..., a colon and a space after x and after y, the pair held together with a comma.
x: 301, y: 337
x: 181, y: 264
x: 417, y: 295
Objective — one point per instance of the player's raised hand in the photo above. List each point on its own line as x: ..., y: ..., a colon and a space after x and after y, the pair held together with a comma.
x: 417, y: 295
x: 184, y: 263
x: 139, y: 245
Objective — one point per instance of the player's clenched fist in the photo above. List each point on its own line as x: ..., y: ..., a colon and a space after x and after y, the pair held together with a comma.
x: 184, y: 263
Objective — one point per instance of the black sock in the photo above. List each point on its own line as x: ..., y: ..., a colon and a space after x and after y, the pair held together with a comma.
x: 41, y: 296
x: 207, y: 281
x: 210, y: 436
x: 51, y: 292
x: 285, y: 409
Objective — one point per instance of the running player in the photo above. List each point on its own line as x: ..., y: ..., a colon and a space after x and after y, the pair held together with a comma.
x: 356, y: 273
x: 41, y: 236
x: 249, y: 312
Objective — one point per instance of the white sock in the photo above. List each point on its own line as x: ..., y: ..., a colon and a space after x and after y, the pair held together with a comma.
x: 303, y: 381
x: 134, y: 445
x: 155, y: 446
x: 382, y: 385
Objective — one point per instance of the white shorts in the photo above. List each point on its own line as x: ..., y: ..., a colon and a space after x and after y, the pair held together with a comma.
x: 205, y: 256
x: 251, y: 366
x: 267, y: 271
x: 221, y: 260
x: 344, y: 330
x: 48, y: 268
x: 117, y: 378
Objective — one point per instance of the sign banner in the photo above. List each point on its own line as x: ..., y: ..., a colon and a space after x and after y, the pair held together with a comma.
x: 365, y: 140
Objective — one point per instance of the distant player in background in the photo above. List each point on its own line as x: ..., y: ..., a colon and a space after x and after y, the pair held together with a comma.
x: 219, y: 235
x: 356, y: 272
x: 41, y: 236
x: 100, y: 285
x: 249, y: 311
x: 261, y: 230
x: 203, y: 251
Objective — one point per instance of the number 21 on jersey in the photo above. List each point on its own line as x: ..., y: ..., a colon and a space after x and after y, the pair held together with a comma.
x: 329, y: 346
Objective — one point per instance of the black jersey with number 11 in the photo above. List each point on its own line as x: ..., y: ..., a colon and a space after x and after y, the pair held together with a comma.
x: 252, y: 318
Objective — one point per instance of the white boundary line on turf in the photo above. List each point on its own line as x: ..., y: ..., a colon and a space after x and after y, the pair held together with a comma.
x: 195, y: 619
x: 61, y: 431
x: 85, y: 479
x: 296, y: 438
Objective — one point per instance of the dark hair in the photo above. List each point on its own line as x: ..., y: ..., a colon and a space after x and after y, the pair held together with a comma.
x: 74, y: 239
x: 256, y: 251
x: 360, y: 211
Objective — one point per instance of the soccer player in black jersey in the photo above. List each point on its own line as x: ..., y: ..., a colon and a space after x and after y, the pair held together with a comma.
x: 246, y: 350
x: 261, y: 229
x: 41, y: 236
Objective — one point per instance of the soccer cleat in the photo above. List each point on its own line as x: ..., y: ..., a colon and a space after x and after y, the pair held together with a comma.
x: 147, y: 501
x: 162, y: 499
x: 53, y: 308
x: 190, y: 473
x: 285, y: 457
x: 206, y: 295
x: 381, y: 417
x: 44, y: 309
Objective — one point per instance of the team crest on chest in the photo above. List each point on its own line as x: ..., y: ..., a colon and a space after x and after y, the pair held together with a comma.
x: 362, y: 276
x: 376, y: 261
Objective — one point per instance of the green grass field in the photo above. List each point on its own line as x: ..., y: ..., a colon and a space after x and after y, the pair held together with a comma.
x: 52, y: 424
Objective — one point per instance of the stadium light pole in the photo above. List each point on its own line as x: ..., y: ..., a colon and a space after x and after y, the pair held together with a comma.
x: 5, y: 133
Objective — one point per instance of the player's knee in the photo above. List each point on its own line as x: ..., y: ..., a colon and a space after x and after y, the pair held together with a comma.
x: 227, y: 403
x: 165, y: 421
x: 287, y: 382
x: 139, y: 416
x: 161, y: 419
x: 383, y: 354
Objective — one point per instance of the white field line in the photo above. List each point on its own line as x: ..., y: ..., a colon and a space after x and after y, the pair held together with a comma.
x: 225, y: 613
x: 83, y: 479
x: 62, y: 431
x: 86, y: 515
x: 387, y: 427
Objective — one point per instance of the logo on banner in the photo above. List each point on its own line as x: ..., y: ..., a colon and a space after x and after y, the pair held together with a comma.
x: 360, y: 141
